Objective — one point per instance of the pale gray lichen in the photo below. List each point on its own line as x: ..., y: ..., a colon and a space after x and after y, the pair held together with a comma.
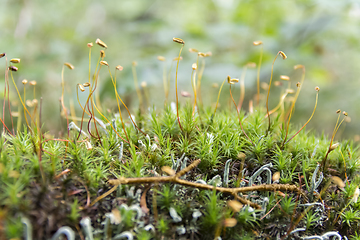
x: 258, y: 172
x: 226, y: 173
x: 67, y: 231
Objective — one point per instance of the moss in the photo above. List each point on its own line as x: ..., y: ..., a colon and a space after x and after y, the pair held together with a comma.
x: 55, y: 182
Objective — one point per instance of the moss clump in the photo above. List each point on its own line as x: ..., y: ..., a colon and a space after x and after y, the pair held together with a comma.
x: 112, y: 178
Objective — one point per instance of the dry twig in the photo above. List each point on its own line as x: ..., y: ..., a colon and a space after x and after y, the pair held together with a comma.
x: 233, y: 191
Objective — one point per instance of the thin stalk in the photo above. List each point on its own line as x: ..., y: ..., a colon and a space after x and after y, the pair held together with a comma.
x: 97, y: 100
x: 40, y: 143
x: 238, y: 113
x: 242, y: 88
x: 258, y: 77
x: 342, y: 155
x: 92, y: 109
x: 217, y: 101
x: 23, y: 104
x: 271, y: 76
x: 316, y: 101
x: 267, y: 98
x: 6, y: 90
x: 8, y: 97
x: 176, y: 88
x: 118, y: 104
x: 193, y: 85
x: 118, y: 97
x: 323, y: 163
x: 62, y: 98
x: 92, y: 85
x: 282, y: 98
x: 25, y: 116
x: 97, y: 93
x: 200, y: 74
x: 119, y: 109
x: 3, y: 116
x: 103, y: 117
x: 294, y: 101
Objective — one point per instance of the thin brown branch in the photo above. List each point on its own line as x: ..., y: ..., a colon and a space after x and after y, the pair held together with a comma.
x: 232, y: 191
x: 188, y: 168
x: 246, y: 202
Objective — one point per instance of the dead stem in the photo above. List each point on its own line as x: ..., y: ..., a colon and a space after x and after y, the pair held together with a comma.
x: 102, y: 196
x: 176, y: 179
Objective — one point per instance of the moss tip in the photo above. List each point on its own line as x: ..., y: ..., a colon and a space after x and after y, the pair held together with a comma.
x: 284, y: 77
x: 13, y: 68
x: 15, y: 60
x: 104, y: 63
x: 283, y: 55
x: 178, y: 40
x: 161, y: 58
x: 69, y: 65
x: 100, y: 43
x: 119, y: 68
x: 257, y: 43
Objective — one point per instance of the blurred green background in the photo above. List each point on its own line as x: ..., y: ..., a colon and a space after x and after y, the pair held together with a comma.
x: 320, y: 34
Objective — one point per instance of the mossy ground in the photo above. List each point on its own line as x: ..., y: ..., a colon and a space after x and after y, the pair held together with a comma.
x: 62, y: 182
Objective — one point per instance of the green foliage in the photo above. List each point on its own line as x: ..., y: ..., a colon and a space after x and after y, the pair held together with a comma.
x: 75, y: 212
x: 162, y: 225
x: 355, y: 237
x: 13, y: 228
x: 68, y: 180
x: 166, y: 197
x: 247, y: 217
x: 212, y: 214
x: 311, y: 219
x: 351, y: 217
x: 287, y: 206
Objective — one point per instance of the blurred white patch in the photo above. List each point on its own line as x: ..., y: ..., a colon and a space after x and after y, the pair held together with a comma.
x: 356, y: 195
x: 224, y: 3
x: 355, y: 10
x: 173, y: 107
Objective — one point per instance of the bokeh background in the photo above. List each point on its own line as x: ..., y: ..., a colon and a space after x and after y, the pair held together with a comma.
x: 323, y: 35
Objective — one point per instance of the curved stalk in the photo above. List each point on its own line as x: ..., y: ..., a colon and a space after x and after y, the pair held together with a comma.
x: 271, y: 76
x: 238, y: 113
x: 258, y: 77
x: 295, y: 98
x: 316, y: 101
x: 176, y: 88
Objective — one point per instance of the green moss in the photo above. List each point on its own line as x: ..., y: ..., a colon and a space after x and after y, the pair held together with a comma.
x: 66, y: 179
